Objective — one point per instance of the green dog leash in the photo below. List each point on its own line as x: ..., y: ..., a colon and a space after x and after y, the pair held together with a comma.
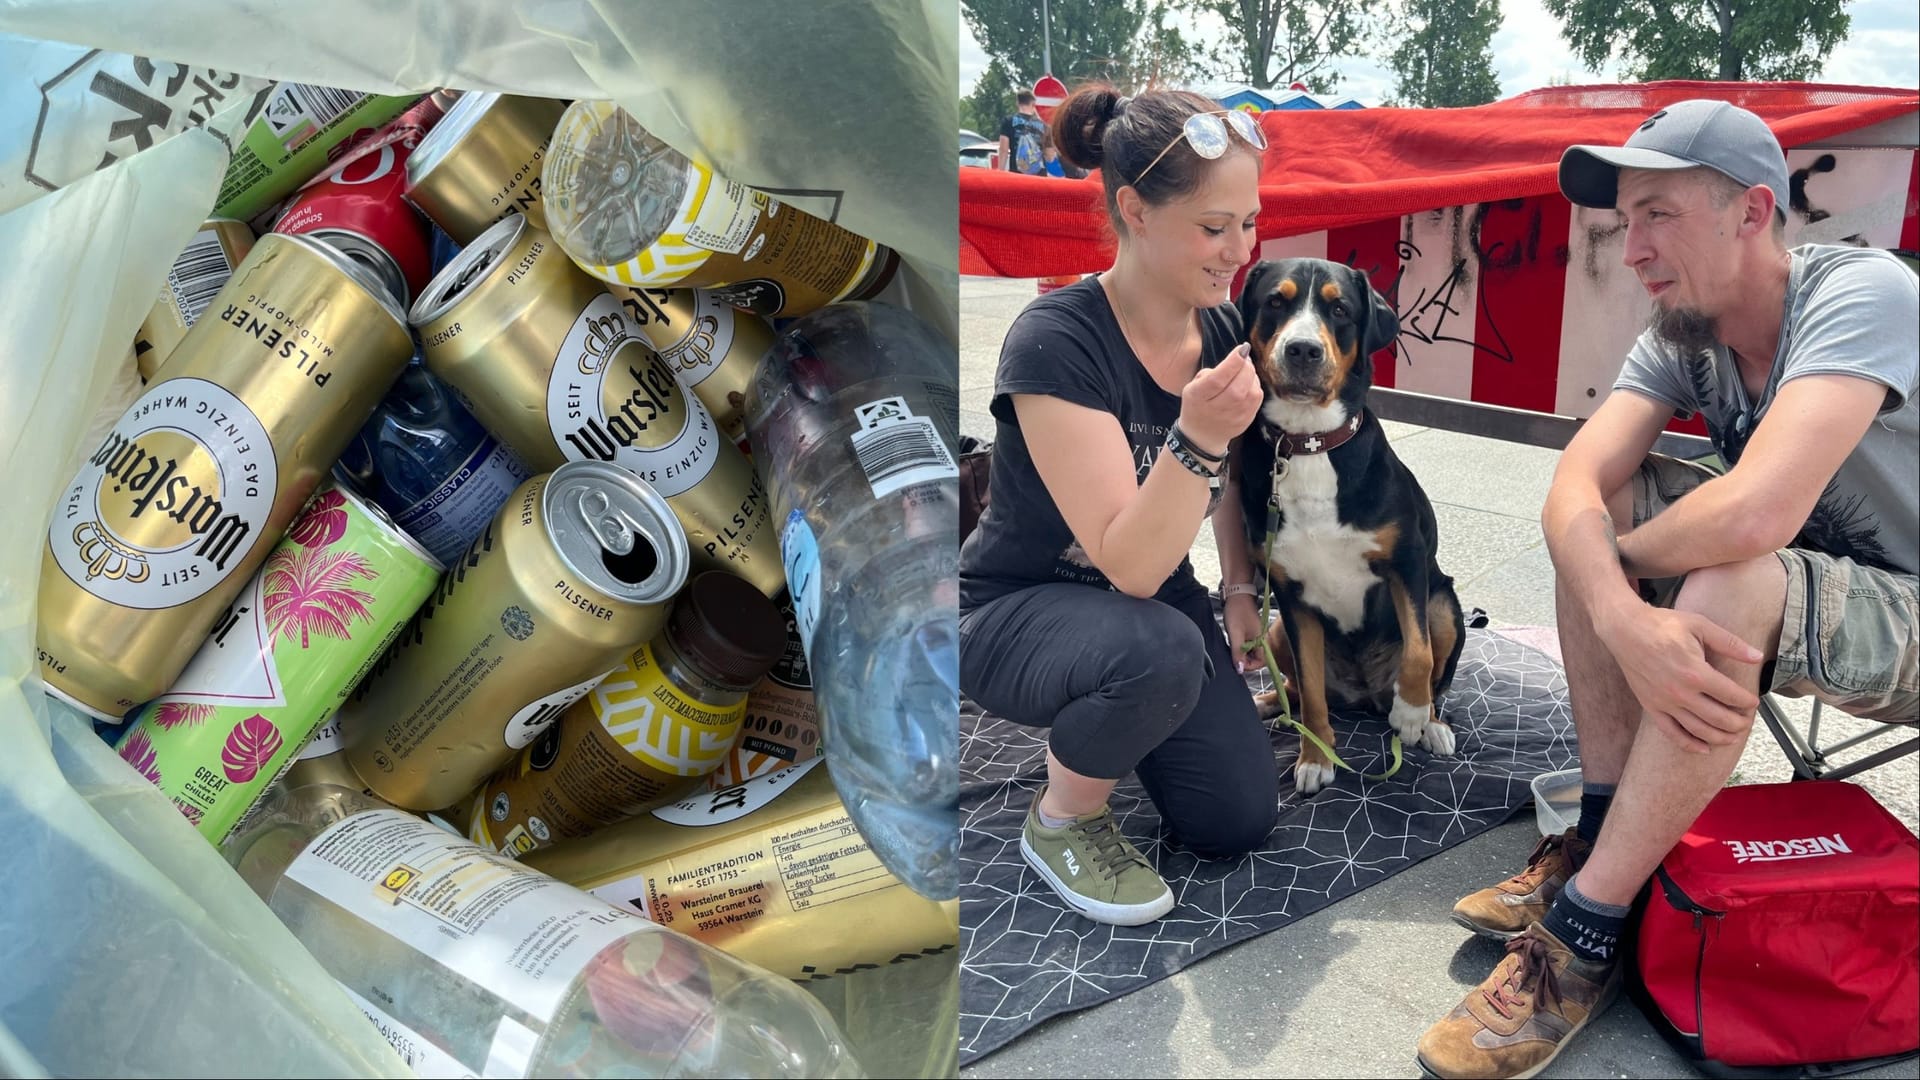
x: 1266, y: 648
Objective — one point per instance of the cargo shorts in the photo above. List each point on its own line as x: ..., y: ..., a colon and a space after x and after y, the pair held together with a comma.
x: 1850, y: 635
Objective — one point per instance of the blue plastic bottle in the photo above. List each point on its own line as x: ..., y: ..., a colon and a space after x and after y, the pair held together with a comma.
x: 853, y: 416
x: 425, y: 460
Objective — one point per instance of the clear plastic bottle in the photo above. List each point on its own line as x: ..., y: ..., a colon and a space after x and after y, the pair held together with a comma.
x: 424, y: 459
x: 853, y: 416
x: 472, y: 964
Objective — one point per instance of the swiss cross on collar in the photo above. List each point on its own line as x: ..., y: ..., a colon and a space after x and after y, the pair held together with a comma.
x: 1287, y: 444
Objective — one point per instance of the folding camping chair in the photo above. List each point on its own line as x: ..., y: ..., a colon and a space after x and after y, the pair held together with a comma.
x: 1810, y: 760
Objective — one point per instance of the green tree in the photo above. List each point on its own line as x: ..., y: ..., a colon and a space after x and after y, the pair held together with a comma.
x: 1280, y: 42
x: 991, y: 100
x: 1443, y: 53
x: 1733, y: 40
x: 1126, y: 42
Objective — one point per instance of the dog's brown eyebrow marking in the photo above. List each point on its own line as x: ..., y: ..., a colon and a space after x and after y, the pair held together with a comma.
x: 1330, y: 291
x: 1289, y: 288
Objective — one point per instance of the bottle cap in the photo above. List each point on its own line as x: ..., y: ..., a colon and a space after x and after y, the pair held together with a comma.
x: 728, y: 629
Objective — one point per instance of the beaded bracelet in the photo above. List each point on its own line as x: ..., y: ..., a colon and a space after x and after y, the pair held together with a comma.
x: 1175, y: 435
x: 1191, y: 463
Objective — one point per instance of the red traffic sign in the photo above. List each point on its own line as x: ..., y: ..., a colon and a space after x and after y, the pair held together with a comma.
x: 1048, y: 93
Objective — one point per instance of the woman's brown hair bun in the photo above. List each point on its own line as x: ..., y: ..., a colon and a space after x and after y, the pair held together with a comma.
x: 1080, y: 124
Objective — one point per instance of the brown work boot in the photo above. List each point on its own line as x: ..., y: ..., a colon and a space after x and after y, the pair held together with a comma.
x: 1515, y: 1022
x: 1507, y: 909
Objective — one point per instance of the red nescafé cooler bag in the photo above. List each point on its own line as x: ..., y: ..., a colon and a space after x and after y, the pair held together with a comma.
x: 1781, y: 936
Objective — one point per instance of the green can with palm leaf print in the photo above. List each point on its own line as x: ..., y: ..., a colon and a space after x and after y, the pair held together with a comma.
x: 327, y: 602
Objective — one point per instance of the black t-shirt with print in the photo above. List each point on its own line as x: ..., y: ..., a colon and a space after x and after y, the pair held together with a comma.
x: 1068, y: 344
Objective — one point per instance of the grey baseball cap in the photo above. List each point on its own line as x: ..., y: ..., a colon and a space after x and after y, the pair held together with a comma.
x: 1684, y: 135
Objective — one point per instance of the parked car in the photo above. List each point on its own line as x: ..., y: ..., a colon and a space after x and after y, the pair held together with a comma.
x: 983, y: 154
x: 968, y: 138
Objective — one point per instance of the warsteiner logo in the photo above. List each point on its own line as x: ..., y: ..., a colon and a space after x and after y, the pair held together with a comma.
x: 139, y: 472
x: 1811, y: 847
x: 604, y: 333
x: 172, y: 500
x: 105, y: 558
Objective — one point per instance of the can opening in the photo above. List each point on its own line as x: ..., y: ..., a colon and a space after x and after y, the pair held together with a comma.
x: 474, y: 263
x: 468, y: 274
x: 636, y: 565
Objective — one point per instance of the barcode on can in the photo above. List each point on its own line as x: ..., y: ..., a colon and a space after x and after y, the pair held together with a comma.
x: 897, y: 449
x: 198, y: 275
x: 298, y: 111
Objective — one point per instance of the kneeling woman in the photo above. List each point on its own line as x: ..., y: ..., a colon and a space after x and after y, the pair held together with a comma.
x: 1115, y: 403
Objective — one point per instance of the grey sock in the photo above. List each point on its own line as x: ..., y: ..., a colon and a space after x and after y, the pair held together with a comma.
x: 1049, y: 821
x: 1588, y: 927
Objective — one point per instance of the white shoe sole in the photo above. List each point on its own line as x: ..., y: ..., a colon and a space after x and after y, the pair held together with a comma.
x: 1113, y: 914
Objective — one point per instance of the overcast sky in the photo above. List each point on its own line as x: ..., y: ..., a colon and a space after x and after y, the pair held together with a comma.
x: 1883, y: 49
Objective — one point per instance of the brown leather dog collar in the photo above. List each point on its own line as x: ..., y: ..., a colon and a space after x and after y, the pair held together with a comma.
x: 1287, y: 444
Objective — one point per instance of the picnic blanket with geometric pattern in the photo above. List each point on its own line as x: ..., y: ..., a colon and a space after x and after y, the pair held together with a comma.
x: 1026, y: 958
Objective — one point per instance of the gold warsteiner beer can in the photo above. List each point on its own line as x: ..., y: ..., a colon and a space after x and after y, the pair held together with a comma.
x: 169, y: 518
x: 576, y: 570
x: 549, y: 362
x: 482, y: 162
x: 632, y: 210
x: 197, y: 276
x: 711, y: 346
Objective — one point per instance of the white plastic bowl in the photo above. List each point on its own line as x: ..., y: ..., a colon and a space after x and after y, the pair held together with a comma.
x: 1556, y: 801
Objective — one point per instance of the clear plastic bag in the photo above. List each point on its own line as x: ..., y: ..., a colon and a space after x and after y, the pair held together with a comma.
x: 131, y: 948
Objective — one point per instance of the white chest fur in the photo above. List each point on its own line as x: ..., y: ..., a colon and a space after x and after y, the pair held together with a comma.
x: 1327, y: 558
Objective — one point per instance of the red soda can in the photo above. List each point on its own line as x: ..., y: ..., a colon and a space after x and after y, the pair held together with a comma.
x: 357, y: 208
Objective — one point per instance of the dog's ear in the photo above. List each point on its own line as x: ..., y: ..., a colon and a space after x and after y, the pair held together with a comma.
x: 1382, y: 324
x: 1252, y: 290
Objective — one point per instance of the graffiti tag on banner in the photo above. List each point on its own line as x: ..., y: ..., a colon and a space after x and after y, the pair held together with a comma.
x: 1528, y: 303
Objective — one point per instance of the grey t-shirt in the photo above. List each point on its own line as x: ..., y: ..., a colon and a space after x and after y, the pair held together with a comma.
x: 1850, y: 311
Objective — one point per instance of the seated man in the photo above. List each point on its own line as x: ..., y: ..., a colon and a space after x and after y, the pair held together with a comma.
x: 1682, y: 595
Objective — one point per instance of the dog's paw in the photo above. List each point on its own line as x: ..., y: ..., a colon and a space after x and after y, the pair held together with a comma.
x: 1439, y: 739
x: 1310, y: 776
x: 1412, y: 723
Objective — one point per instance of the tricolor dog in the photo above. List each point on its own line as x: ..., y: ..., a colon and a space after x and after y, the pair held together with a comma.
x: 1372, y: 621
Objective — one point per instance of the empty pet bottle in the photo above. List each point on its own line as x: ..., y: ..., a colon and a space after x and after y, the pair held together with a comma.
x: 474, y: 965
x: 853, y: 415
x: 424, y: 459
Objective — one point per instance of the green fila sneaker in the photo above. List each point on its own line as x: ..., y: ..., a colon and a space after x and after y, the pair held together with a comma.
x: 1094, y: 868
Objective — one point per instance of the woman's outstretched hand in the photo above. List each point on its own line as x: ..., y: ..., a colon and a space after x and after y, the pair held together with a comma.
x: 1220, y: 402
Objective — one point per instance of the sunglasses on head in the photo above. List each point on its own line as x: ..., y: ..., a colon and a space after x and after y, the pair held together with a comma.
x: 1206, y: 134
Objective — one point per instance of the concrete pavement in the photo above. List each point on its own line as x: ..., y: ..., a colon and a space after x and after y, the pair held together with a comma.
x: 1347, y: 991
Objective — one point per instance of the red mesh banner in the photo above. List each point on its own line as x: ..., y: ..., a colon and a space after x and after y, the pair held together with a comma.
x: 1335, y: 169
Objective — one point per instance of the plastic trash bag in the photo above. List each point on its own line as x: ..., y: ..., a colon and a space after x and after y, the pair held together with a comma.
x: 130, y: 948
x: 831, y: 104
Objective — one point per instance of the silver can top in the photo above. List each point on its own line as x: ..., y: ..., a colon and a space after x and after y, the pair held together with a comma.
x: 357, y: 272
x: 447, y: 133
x: 615, y: 531
x: 382, y: 521
x: 366, y: 252
x: 475, y: 263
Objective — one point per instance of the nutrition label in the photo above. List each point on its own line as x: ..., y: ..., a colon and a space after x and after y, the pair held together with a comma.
x: 827, y: 862
x: 517, y: 932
